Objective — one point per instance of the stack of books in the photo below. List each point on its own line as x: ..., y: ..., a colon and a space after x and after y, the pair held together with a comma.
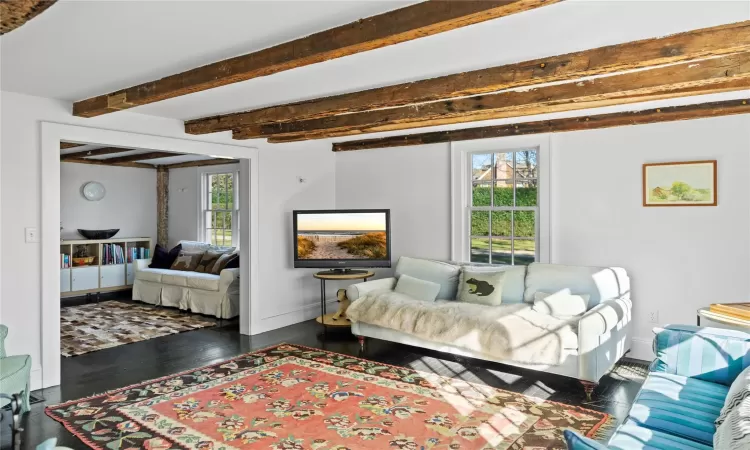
x: 64, y: 261
x: 112, y: 254
x: 139, y: 253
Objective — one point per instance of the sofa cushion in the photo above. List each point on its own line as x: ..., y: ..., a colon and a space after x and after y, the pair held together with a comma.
x: 416, y: 288
x: 600, y: 283
x: 164, y: 258
x: 513, y: 284
x: 679, y: 406
x: 204, y: 281
x: 561, y: 304
x: 187, y: 261
x: 444, y: 274
x: 483, y: 288
x: 710, y: 354
x: 207, y: 262
x: 153, y: 275
x: 631, y: 436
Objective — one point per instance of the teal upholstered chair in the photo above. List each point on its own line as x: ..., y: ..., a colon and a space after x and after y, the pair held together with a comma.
x: 15, y: 372
x: 683, y: 394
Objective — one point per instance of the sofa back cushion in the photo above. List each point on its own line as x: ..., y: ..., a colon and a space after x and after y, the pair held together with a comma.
x: 710, y: 354
x: 442, y: 273
x: 600, y: 283
x: 513, y: 282
x: 196, y: 246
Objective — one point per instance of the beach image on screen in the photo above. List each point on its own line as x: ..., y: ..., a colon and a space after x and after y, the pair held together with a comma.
x: 341, y: 236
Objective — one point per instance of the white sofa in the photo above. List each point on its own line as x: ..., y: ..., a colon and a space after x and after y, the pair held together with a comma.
x: 203, y: 293
x: 602, y: 334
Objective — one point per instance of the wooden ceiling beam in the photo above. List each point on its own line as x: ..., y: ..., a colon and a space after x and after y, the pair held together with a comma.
x: 202, y: 162
x: 707, y: 42
x: 14, y: 13
x: 102, y: 162
x: 141, y: 157
x: 401, y: 25
x: 721, y: 74
x: 594, y: 122
x: 94, y: 152
x: 67, y: 145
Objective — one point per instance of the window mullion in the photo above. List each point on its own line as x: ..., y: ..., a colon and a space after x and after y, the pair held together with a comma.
x: 493, y: 168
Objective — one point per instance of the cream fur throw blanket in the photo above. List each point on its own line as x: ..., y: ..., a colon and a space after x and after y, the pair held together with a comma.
x: 514, y: 333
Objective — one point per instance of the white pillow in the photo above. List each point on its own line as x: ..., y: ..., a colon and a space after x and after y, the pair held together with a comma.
x: 562, y: 304
x: 416, y: 288
x: 733, y: 424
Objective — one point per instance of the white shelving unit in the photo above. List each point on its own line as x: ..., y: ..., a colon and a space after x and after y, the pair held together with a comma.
x: 98, y: 277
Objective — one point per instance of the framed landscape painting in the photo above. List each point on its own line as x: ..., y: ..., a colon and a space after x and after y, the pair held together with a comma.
x: 689, y: 183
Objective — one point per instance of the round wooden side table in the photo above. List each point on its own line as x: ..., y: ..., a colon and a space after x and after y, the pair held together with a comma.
x: 327, y: 319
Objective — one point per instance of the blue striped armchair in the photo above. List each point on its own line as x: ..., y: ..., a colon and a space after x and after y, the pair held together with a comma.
x: 15, y: 373
x: 683, y: 393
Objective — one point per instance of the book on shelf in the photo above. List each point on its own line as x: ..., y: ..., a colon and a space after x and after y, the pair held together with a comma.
x: 139, y: 253
x: 112, y: 254
x: 64, y: 261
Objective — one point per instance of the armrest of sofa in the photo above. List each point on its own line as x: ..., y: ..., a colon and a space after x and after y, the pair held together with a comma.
x: 227, y: 277
x: 711, y: 354
x: 600, y: 320
x: 140, y: 264
x: 355, y: 291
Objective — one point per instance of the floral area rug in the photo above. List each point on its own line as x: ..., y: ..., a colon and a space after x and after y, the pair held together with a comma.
x: 291, y: 397
x: 96, y: 326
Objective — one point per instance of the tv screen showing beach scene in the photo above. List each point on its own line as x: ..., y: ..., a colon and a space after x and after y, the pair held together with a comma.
x: 342, y: 235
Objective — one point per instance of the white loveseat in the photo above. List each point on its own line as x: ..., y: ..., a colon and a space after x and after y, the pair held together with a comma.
x: 203, y: 293
x: 595, y: 341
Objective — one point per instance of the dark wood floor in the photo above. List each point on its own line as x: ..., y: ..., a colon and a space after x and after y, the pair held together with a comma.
x: 117, y: 367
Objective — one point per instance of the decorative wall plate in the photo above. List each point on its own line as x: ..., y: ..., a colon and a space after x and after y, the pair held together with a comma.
x: 93, y: 191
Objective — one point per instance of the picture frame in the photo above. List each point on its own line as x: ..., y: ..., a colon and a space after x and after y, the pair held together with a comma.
x: 683, y: 183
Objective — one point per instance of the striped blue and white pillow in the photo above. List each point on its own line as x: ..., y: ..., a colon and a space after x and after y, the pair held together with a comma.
x: 733, y: 424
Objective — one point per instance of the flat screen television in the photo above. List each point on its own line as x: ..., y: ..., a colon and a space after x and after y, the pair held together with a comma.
x: 342, y: 238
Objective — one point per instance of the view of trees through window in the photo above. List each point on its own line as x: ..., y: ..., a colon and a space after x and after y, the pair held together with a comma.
x: 220, y: 212
x: 503, y: 210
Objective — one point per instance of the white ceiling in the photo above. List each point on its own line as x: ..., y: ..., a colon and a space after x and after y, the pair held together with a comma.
x: 78, y: 49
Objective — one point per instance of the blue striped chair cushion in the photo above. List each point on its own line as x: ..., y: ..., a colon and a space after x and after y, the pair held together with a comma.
x: 679, y: 406
x: 631, y: 436
x: 710, y: 354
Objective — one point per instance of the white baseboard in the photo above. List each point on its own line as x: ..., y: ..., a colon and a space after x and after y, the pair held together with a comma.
x: 640, y: 348
x: 36, y: 379
x: 307, y: 312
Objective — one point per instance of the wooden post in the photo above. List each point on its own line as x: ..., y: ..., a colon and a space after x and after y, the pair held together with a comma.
x: 162, y: 206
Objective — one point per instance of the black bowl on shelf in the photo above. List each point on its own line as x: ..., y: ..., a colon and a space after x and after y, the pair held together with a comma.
x: 98, y: 234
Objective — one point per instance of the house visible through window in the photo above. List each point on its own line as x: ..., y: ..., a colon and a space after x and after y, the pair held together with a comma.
x: 503, y: 209
x: 220, y: 213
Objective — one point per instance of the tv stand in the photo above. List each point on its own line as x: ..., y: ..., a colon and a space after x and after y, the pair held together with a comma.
x: 343, y: 272
x: 336, y: 275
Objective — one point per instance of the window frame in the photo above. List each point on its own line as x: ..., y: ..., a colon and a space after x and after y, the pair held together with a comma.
x: 203, y: 204
x: 461, y: 192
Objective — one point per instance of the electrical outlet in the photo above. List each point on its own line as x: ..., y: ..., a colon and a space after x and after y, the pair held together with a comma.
x: 653, y: 316
x: 32, y: 235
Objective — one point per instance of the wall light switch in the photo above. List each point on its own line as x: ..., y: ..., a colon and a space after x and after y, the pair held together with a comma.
x: 32, y: 235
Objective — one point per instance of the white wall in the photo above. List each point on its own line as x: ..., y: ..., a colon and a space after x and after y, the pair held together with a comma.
x: 291, y: 295
x: 414, y: 183
x: 286, y: 295
x: 184, y: 190
x: 130, y: 202
x: 679, y: 259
